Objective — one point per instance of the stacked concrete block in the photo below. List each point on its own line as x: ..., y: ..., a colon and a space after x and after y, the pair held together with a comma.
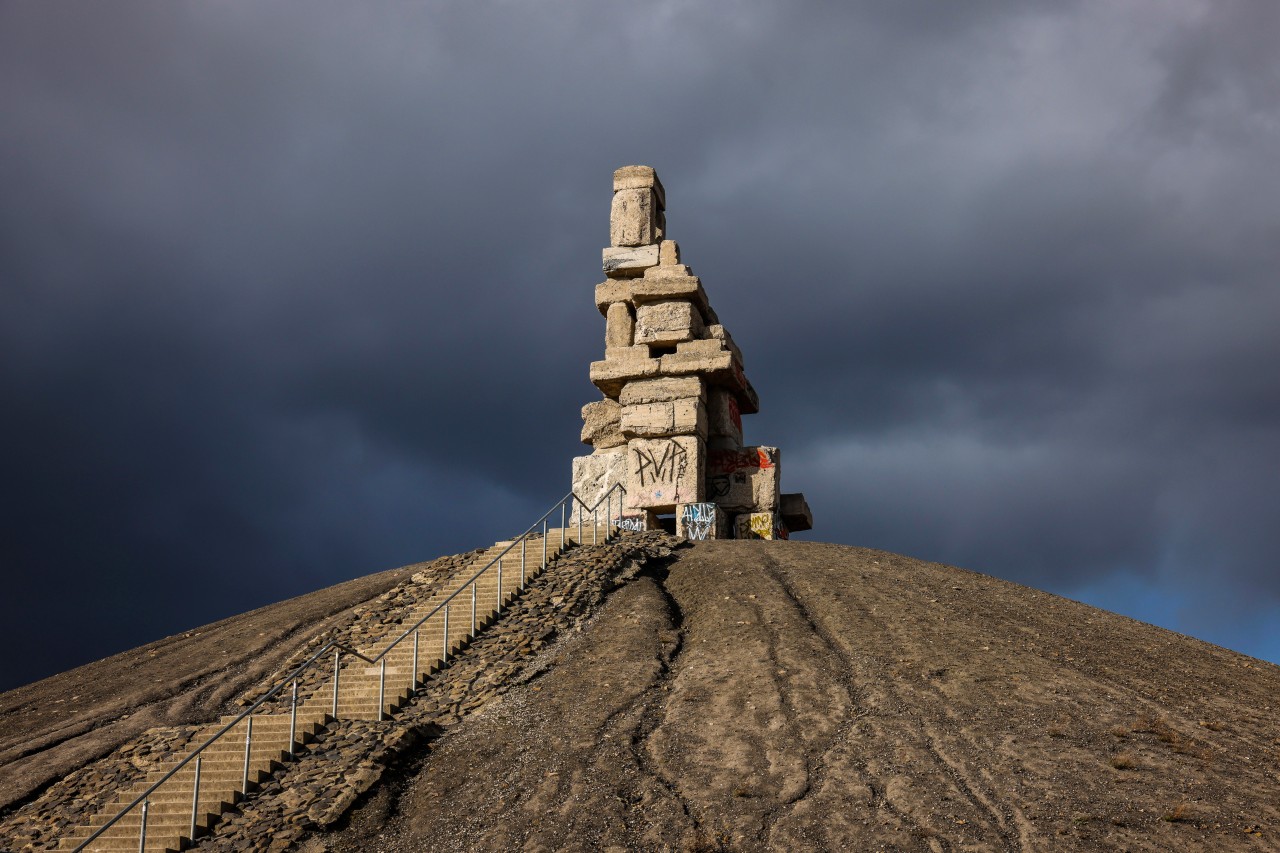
x: 760, y: 525
x: 745, y: 479
x: 602, y: 424
x: 669, y: 323
x: 705, y: 520
x: 669, y: 426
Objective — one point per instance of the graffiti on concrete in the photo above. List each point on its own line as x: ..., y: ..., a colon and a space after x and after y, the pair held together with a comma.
x: 742, y: 478
x: 731, y: 461
x: 735, y: 414
x: 760, y: 525
x: 698, y: 520
x: 655, y: 470
x: 631, y: 523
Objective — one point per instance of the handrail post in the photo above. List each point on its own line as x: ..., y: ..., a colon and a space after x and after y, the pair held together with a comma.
x: 544, y: 548
x: 473, y: 608
x: 413, y: 673
x: 444, y: 653
x: 608, y: 516
x: 248, y: 741
x: 142, y: 829
x: 336, y: 654
x: 499, y: 607
x: 595, y: 524
x: 382, y: 687
x: 581, y: 507
x: 563, y: 528
x: 293, y: 716
x: 523, y: 543
x: 195, y: 799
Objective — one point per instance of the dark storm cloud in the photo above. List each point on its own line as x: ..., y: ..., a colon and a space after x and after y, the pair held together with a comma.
x: 293, y: 294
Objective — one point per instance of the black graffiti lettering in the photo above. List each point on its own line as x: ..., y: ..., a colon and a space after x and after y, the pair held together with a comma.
x: 664, y: 469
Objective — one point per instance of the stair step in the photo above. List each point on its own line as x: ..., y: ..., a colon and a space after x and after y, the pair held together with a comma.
x: 160, y: 814
x: 222, y: 763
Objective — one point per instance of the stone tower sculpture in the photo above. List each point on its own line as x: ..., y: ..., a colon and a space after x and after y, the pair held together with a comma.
x: 670, y: 425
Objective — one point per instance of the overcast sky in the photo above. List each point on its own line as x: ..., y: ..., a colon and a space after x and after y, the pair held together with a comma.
x: 296, y: 292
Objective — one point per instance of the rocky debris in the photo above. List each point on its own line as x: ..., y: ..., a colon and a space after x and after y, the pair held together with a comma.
x: 85, y: 792
x: 674, y: 392
x: 374, y: 622
x: 318, y: 788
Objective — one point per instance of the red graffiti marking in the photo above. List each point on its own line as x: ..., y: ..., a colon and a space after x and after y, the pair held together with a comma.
x: 735, y: 414
x: 729, y: 461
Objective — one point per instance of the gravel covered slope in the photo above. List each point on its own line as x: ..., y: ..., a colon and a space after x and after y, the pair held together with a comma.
x: 58, y: 724
x: 802, y: 696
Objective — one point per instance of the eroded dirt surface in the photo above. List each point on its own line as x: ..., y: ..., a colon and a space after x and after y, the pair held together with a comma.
x: 56, y: 725
x: 801, y: 696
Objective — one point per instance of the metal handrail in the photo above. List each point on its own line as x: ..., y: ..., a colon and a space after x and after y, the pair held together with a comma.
x: 339, y: 647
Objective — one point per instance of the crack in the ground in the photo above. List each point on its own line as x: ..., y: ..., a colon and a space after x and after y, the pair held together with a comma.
x: 652, y: 702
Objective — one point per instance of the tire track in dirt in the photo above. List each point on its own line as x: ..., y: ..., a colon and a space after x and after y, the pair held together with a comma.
x: 850, y: 678
x: 965, y: 784
x: 792, y: 724
x: 1012, y: 827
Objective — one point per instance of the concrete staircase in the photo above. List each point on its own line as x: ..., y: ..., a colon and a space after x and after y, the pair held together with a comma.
x: 364, y: 692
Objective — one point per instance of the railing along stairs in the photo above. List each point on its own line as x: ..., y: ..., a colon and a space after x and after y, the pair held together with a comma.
x: 185, y: 802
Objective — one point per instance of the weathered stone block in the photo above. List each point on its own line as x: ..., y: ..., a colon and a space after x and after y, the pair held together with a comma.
x: 668, y: 288
x: 639, y: 178
x: 633, y: 219
x: 699, y: 521
x: 706, y: 346
x: 601, y: 424
x: 667, y: 323
x: 724, y: 420
x: 720, y: 333
x: 619, y: 326
x: 722, y: 368
x: 668, y: 253
x: 669, y: 270
x: 626, y: 261
x: 651, y: 419
x: 594, y: 475
x: 661, y: 390
x: 795, y: 512
x: 612, y: 290
x: 664, y: 472
x: 745, y: 480
x: 684, y: 362
x: 690, y: 417
x: 611, y: 375
x: 759, y: 525
x: 620, y: 288
x: 654, y: 420
x: 626, y: 353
